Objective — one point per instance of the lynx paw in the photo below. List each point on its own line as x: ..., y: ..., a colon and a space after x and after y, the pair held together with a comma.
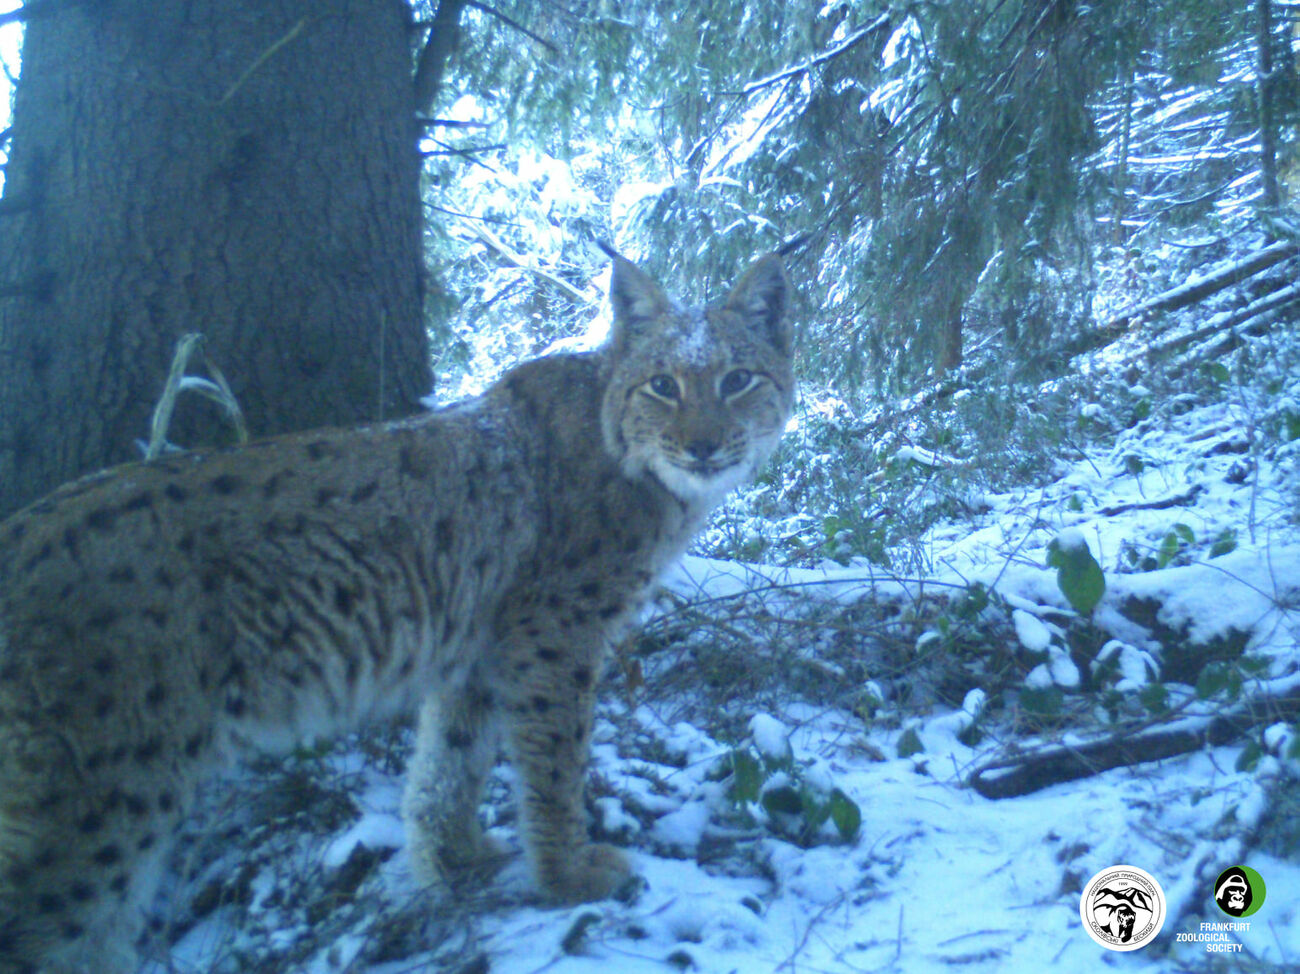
x: 469, y: 862
x: 593, y: 872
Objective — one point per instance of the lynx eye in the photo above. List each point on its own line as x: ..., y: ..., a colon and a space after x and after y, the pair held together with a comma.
x: 735, y: 382
x: 664, y: 386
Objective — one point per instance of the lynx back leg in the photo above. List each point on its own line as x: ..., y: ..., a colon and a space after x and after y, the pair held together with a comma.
x: 455, y: 748
x: 74, y: 883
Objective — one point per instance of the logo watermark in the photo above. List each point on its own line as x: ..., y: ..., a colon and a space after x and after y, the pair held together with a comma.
x: 1122, y: 907
x: 1238, y: 891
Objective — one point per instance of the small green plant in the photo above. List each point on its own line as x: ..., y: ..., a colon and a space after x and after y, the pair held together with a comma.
x: 910, y: 743
x: 1078, y: 575
x: 1290, y: 425
x: 1224, y: 543
x: 793, y: 804
x: 1174, y: 546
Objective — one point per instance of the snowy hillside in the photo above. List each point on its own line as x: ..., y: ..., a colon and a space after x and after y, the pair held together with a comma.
x: 787, y: 752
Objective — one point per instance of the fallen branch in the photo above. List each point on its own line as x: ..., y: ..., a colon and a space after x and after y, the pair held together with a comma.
x: 1178, y: 500
x: 1054, y: 765
x: 1189, y: 292
x: 1253, y: 316
x: 1273, y: 301
x: 1220, y: 345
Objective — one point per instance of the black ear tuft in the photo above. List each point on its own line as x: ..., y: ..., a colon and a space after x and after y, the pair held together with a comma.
x: 762, y: 296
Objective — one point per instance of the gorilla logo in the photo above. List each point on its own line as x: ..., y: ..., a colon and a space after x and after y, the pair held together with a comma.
x: 1233, y: 892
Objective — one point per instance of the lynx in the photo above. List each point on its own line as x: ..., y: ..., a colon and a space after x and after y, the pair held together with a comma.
x: 158, y: 619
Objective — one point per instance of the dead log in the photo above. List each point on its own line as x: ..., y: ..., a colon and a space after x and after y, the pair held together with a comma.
x: 1043, y: 767
x: 1187, y: 293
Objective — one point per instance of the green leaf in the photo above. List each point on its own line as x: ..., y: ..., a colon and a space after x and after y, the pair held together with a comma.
x: 815, y: 810
x: 1249, y: 757
x: 975, y: 601
x: 1078, y: 575
x: 782, y: 799
x: 1168, y: 550
x: 1292, y: 421
x: 1185, y: 533
x: 1216, y: 372
x: 910, y: 743
x: 831, y: 526
x: 747, y: 776
x: 845, y: 814
x: 1216, y: 678
x: 1046, y: 702
x: 1226, y: 541
x: 1155, y: 699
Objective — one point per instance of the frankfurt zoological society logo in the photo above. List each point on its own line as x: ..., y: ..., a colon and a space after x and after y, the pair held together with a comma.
x: 1122, y: 908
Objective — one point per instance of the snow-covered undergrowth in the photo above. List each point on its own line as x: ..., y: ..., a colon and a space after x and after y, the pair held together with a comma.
x: 787, y: 752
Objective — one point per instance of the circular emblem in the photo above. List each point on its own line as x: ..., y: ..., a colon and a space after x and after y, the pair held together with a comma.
x: 1239, y: 891
x: 1122, y: 908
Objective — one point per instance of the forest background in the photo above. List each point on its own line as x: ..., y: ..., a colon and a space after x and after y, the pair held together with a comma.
x: 1043, y: 485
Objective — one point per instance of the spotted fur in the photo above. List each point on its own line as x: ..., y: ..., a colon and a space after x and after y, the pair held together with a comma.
x: 156, y: 620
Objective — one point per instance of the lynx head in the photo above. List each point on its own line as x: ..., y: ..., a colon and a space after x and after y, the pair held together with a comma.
x: 698, y: 397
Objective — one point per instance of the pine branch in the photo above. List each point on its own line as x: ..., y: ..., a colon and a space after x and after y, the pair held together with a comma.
x: 513, y: 24
x: 880, y: 24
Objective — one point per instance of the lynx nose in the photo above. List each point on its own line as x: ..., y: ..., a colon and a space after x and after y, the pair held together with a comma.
x: 702, y: 449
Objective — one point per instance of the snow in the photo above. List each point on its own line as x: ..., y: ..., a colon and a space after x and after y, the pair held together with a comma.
x: 770, y: 737
x: 1031, y: 632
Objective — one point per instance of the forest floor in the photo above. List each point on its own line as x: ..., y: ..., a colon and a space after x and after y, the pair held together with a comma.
x: 715, y: 766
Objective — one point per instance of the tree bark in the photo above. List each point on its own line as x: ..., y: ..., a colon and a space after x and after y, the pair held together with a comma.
x: 243, y: 168
x: 1264, y: 93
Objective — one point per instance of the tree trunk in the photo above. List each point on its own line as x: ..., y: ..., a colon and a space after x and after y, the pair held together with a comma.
x: 1120, y: 179
x: 1264, y: 94
x: 243, y: 168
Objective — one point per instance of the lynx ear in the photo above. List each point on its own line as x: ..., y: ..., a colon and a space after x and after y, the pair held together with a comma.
x: 637, y: 301
x: 762, y: 297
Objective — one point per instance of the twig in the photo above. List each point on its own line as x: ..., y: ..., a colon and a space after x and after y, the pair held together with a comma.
x: 216, y: 389
x: 449, y: 123
x: 467, y: 151
x: 261, y: 59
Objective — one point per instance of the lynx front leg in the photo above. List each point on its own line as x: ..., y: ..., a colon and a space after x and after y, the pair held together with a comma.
x: 455, y: 748
x: 550, y: 700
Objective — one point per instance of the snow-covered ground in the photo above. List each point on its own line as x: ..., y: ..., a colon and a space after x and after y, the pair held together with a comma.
x: 936, y: 877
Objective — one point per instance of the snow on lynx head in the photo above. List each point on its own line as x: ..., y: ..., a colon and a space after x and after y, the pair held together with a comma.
x: 698, y: 397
